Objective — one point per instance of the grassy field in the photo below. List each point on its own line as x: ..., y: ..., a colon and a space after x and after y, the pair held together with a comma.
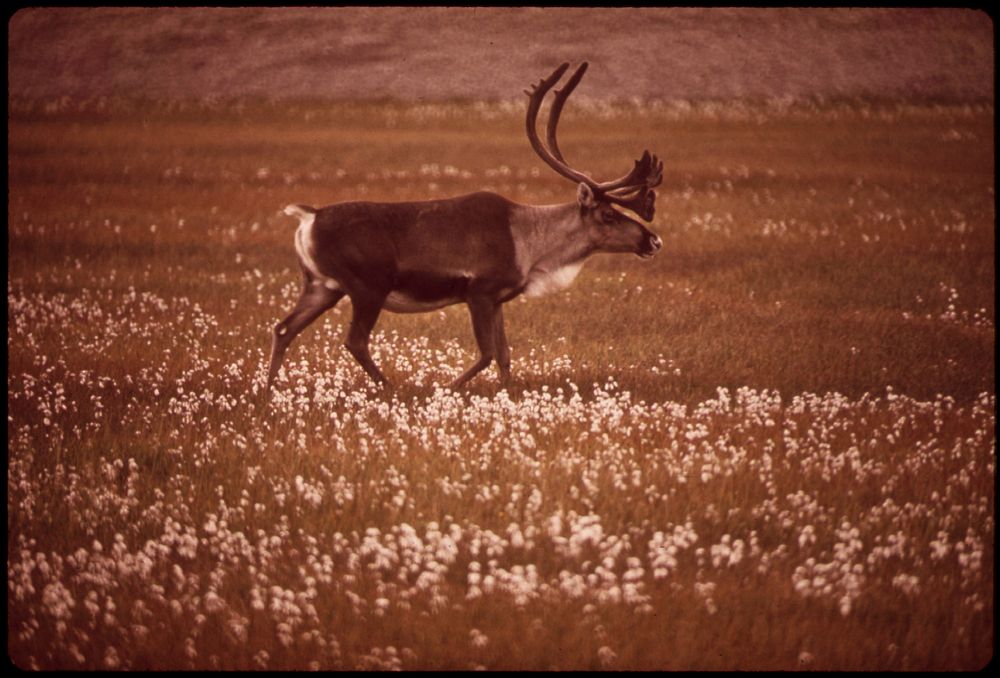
x: 770, y: 447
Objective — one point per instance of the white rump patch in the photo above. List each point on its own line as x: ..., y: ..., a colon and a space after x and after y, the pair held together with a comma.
x: 546, y: 282
x: 303, y: 245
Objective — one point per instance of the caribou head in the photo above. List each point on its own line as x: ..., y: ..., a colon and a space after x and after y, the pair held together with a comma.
x: 612, y: 231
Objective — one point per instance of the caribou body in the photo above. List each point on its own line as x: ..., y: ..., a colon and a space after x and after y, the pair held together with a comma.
x: 479, y: 249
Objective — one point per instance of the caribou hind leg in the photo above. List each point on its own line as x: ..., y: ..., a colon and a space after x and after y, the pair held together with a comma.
x: 313, y: 302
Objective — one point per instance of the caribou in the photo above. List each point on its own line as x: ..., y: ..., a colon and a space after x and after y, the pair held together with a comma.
x: 479, y: 249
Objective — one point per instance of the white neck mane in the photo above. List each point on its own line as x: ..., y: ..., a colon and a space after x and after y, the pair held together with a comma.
x: 550, y: 245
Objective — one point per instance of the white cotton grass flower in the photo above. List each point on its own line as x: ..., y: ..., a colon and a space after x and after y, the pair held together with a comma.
x: 478, y: 638
x: 111, y: 659
x: 845, y: 605
x: 213, y: 603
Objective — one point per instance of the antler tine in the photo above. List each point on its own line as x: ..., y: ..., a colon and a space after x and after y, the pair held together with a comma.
x: 545, y: 84
x: 640, y: 198
x: 655, y: 177
x: 642, y: 202
x: 648, y: 171
x: 636, y: 176
x: 535, y: 96
x: 557, y: 105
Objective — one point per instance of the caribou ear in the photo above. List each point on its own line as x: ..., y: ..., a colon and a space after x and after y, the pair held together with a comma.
x: 585, y: 196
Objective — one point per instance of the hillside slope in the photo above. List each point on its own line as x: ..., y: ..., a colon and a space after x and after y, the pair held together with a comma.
x: 442, y: 53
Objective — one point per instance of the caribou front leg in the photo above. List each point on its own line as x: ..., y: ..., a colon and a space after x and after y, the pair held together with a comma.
x: 484, y: 318
x: 366, y: 312
x: 502, y: 347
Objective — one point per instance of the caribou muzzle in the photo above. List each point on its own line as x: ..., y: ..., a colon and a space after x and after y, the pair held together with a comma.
x: 650, y: 246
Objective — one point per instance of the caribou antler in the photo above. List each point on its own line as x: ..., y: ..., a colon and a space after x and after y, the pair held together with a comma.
x: 632, y: 191
x: 535, y: 96
x: 557, y: 104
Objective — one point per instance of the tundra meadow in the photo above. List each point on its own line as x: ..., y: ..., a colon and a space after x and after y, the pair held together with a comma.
x: 772, y: 446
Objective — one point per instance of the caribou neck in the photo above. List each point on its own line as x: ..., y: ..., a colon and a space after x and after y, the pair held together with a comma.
x: 549, y: 237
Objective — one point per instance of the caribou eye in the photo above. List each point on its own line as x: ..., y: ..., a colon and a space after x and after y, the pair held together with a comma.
x: 608, y: 217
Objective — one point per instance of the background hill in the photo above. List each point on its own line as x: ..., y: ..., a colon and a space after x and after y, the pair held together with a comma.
x: 489, y: 53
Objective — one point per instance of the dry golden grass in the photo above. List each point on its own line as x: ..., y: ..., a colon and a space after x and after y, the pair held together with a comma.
x: 772, y: 446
